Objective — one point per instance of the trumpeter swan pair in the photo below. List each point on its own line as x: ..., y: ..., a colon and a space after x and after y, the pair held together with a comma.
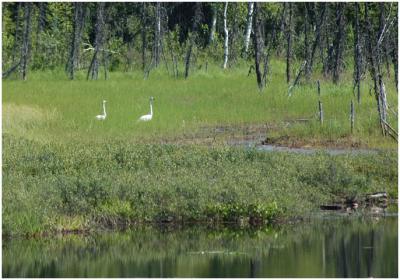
x: 143, y: 118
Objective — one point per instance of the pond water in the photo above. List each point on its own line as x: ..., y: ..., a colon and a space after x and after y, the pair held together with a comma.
x: 334, y: 247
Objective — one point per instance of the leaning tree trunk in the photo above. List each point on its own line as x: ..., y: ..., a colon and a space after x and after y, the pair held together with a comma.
x: 94, y: 65
x: 339, y: 39
x: 317, y: 36
x: 248, y: 27
x: 357, y: 53
x: 373, y: 61
x: 213, y: 23
x: 258, y: 43
x: 26, y: 40
x: 226, y: 33
x: 288, y: 42
x: 192, y: 37
x: 79, y: 17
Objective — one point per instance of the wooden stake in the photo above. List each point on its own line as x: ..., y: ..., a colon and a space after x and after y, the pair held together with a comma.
x: 321, y: 112
x: 352, y: 116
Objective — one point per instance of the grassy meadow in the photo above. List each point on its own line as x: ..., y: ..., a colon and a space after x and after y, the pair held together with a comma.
x: 64, y: 170
x: 50, y: 107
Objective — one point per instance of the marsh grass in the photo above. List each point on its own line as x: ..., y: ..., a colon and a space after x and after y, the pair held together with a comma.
x: 182, y: 107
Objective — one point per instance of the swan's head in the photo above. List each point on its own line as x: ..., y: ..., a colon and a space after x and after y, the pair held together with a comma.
x: 104, y: 101
x: 152, y: 98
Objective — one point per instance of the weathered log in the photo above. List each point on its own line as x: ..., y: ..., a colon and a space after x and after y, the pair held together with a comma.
x: 377, y: 195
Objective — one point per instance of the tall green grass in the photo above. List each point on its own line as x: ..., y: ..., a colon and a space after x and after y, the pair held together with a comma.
x: 183, y: 107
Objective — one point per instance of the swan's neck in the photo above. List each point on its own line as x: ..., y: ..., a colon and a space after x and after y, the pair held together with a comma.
x: 104, y: 109
x: 151, y: 108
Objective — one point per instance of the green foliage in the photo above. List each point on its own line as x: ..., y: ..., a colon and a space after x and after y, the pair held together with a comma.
x: 66, y: 186
x: 253, y: 213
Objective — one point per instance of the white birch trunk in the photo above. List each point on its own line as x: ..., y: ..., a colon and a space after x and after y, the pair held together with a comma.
x: 383, y: 100
x: 248, y: 27
x: 226, y: 49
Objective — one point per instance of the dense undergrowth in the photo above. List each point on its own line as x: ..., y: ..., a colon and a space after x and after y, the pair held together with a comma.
x: 74, y: 186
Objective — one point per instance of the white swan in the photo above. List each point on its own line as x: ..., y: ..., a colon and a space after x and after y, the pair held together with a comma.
x: 104, y: 115
x: 148, y: 117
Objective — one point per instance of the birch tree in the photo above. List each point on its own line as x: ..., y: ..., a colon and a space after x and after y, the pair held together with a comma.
x: 226, y: 32
x: 248, y: 26
x: 213, y: 22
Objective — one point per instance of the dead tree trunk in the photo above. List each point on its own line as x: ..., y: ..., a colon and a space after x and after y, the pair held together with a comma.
x: 226, y: 33
x: 306, y: 42
x: 288, y: 41
x: 192, y: 37
x: 384, y: 49
x: 338, y: 48
x: 40, y: 23
x: 157, y: 35
x: 79, y: 16
x: 328, y: 59
x: 277, y: 23
x: 93, y: 71
x: 258, y: 43
x: 395, y: 59
x: 248, y: 27
x: 26, y: 40
x: 382, y: 99
x: 143, y: 33
x: 213, y: 23
x: 357, y: 53
x: 17, y: 35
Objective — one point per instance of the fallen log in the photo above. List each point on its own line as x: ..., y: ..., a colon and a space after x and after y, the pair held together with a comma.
x: 331, y: 207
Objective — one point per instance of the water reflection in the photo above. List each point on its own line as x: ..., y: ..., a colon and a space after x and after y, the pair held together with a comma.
x: 340, y: 247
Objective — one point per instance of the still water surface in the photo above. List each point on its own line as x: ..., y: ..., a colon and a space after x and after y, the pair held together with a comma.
x: 338, y: 247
